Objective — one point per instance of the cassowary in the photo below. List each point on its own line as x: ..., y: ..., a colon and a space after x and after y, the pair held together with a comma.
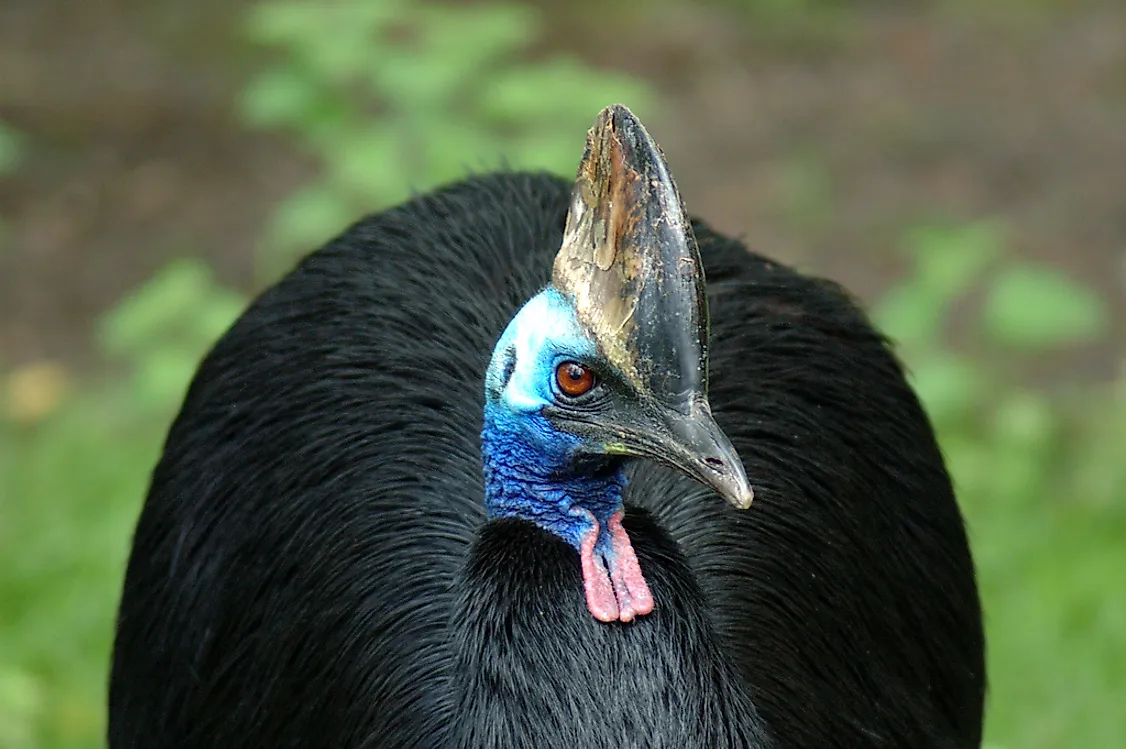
x: 459, y: 480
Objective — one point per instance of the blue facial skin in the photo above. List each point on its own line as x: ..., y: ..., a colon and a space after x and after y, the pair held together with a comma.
x: 530, y: 465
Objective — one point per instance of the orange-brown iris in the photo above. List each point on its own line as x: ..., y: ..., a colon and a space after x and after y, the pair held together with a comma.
x: 574, y: 379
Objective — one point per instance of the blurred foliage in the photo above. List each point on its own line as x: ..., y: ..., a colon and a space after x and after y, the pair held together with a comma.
x: 393, y: 95
x: 11, y: 148
x: 1039, y: 475
x: 74, y: 464
x: 397, y: 95
x: 71, y: 482
x: 164, y: 326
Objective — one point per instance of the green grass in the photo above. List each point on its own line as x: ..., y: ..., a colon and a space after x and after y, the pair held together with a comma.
x: 1051, y: 575
x: 71, y: 487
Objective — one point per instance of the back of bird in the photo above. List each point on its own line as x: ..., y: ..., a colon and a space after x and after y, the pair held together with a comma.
x: 314, y: 566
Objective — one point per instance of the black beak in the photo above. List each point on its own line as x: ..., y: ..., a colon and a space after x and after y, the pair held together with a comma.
x: 699, y: 448
x: 691, y: 443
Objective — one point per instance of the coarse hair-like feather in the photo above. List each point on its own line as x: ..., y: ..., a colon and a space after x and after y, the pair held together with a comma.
x: 312, y: 567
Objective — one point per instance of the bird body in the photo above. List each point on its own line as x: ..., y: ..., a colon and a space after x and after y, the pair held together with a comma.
x: 363, y: 532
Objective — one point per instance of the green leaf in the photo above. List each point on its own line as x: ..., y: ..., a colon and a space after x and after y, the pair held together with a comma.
x: 452, y: 151
x: 1095, y: 448
x: 544, y: 151
x: 175, y: 291
x: 1024, y: 421
x: 1034, y: 308
x: 180, y: 308
x: 309, y: 217
x: 164, y: 375
x: 562, y: 94
x: 21, y: 701
x: 367, y: 163
x: 910, y: 315
x: 949, y: 386
x: 949, y: 259
x: 10, y: 148
x: 479, y: 35
x: 420, y: 83
x: 302, y: 25
x: 280, y: 96
x: 280, y: 22
x: 216, y: 316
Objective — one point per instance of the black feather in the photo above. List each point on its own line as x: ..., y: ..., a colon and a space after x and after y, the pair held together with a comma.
x: 312, y: 568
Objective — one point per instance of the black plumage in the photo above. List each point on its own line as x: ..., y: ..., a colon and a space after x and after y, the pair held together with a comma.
x: 312, y: 567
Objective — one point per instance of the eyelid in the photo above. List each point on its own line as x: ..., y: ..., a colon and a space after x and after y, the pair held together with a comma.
x: 596, y: 391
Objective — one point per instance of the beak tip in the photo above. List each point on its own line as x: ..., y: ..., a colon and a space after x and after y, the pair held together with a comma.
x: 737, y: 489
x: 742, y: 497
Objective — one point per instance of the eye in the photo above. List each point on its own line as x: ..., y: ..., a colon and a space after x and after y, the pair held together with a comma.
x: 574, y: 379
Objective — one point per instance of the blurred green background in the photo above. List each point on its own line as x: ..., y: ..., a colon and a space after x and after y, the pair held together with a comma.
x: 960, y: 165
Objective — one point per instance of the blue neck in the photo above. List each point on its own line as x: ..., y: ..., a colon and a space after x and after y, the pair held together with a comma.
x: 530, y: 473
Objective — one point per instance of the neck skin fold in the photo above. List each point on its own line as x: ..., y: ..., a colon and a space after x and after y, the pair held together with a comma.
x: 540, y: 480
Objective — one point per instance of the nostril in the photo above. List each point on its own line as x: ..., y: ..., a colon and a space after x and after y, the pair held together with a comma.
x: 715, y: 463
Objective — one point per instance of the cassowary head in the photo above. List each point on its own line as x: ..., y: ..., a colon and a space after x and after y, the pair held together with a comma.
x: 608, y: 363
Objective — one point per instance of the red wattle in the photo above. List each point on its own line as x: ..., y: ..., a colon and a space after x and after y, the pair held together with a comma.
x: 621, y: 593
x: 600, y: 597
